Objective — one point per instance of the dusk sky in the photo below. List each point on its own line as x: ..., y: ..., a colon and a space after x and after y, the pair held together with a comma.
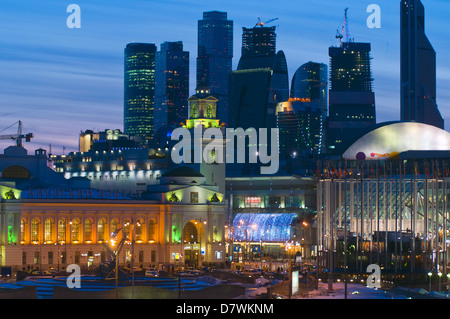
x: 60, y: 81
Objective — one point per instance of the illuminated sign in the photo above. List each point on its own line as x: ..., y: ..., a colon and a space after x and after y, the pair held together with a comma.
x: 390, y: 140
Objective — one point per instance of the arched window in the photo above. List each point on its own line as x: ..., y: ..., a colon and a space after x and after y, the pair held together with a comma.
x: 139, y: 229
x: 101, y: 229
x: 16, y: 172
x: 75, y: 231
x: 126, y: 228
x: 209, y: 111
x: 22, y: 229
x: 190, y: 233
x: 87, y: 230
x: 194, y: 111
x: 48, y: 228
x: 152, y: 230
x: 35, y: 230
x: 113, y: 226
x: 62, y: 230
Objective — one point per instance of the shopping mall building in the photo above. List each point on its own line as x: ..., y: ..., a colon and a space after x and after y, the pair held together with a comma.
x: 385, y: 202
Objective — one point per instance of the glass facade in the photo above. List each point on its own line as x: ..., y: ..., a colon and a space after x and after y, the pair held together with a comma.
x: 263, y: 227
x: 391, y: 213
x: 260, y: 81
x: 351, y: 100
x: 139, y: 89
x: 215, y: 54
x: 172, y: 85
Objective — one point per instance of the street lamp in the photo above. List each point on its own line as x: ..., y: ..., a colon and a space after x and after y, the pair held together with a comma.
x: 448, y: 278
x: 439, y: 274
x: 429, y: 276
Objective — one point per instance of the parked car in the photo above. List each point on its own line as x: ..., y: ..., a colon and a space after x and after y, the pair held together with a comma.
x: 151, y: 273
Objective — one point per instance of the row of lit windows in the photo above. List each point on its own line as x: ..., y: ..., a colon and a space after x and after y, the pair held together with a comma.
x: 83, y: 232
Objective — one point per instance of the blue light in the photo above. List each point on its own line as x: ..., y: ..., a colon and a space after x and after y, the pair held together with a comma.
x: 263, y: 227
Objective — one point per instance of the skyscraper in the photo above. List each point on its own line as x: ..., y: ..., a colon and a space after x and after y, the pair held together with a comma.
x: 215, y: 54
x: 260, y: 81
x: 172, y: 85
x: 310, y: 81
x: 351, y: 99
x: 301, y: 119
x: 301, y: 128
x: 139, y: 89
x: 418, y: 67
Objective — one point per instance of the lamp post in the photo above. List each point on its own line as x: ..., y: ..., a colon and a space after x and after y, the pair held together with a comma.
x: 439, y: 274
x: 448, y: 278
x: 288, y: 248
x: 429, y: 276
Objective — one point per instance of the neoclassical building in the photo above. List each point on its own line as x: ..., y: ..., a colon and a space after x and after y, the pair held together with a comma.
x: 48, y: 223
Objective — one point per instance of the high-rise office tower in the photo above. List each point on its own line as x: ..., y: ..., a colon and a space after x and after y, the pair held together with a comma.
x: 260, y: 81
x: 258, y: 41
x: 301, y: 119
x: 310, y: 81
x: 301, y: 128
x: 418, y: 67
x: 215, y: 54
x: 172, y: 85
x: 351, y: 99
x: 139, y: 89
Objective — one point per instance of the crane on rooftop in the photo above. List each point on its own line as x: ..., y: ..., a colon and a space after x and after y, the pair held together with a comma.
x: 261, y: 24
x: 17, y: 137
x: 344, y: 29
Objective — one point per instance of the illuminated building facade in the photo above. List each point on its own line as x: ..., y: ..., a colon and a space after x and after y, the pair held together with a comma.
x: 310, y: 81
x: 202, y: 110
x: 301, y: 128
x: 172, y: 85
x: 351, y: 99
x: 215, y: 55
x: 122, y: 170
x: 268, y: 214
x: 49, y: 223
x: 104, y: 141
x: 139, y: 90
x: 418, y: 67
x: 387, y: 204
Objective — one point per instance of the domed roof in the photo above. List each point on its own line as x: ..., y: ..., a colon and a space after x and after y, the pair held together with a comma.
x: 396, y: 138
x: 183, y: 171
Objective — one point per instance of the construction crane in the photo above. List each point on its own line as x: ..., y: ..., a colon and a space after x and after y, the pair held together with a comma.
x: 344, y: 29
x: 261, y: 24
x: 19, y: 136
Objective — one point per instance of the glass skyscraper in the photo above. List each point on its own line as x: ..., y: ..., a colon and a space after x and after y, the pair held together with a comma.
x: 214, y: 60
x: 301, y: 119
x: 351, y: 99
x: 418, y: 67
x: 172, y: 85
x: 139, y: 89
x: 310, y: 81
x: 260, y: 81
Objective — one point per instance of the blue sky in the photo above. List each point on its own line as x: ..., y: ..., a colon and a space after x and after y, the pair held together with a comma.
x: 60, y: 81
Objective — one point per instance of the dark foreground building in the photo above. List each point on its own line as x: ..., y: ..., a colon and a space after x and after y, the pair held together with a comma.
x: 260, y: 82
x: 418, y: 68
